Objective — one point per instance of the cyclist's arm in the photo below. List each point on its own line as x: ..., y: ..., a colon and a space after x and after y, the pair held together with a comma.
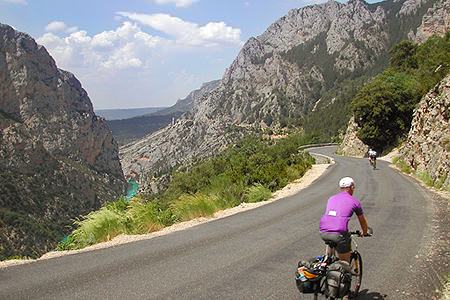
x: 363, y: 223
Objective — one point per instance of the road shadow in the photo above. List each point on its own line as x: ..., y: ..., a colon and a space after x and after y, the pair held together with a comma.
x: 368, y: 295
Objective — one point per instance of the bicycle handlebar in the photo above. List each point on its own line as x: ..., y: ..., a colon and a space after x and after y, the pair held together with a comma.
x: 359, y: 233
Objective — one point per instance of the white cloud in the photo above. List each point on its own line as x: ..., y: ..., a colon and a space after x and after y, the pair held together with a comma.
x: 126, y: 47
x: 129, y: 64
x: 23, y: 2
x: 123, y: 58
x: 59, y: 26
x: 188, y: 33
x: 178, y: 3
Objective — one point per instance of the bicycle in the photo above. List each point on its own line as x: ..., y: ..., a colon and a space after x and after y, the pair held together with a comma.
x: 373, y: 162
x: 318, y: 277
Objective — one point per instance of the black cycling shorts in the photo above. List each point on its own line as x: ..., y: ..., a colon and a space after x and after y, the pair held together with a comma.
x: 343, y: 241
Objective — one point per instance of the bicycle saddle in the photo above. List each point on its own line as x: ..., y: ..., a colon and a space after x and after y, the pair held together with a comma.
x: 331, y: 244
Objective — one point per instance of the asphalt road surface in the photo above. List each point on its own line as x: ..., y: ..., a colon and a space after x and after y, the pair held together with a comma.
x: 250, y: 255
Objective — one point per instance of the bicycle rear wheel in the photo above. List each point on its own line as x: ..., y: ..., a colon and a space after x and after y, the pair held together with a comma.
x: 357, y: 272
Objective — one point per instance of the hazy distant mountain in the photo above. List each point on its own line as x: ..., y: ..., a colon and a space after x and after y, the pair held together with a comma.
x: 128, y: 130
x: 184, y: 105
x: 126, y: 113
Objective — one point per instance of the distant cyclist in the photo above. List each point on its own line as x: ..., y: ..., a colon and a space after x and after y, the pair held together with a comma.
x: 372, y: 157
x: 334, y: 223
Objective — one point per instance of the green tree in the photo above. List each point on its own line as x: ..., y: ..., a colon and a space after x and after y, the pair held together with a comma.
x: 383, y: 108
x: 403, y: 56
x: 433, y: 58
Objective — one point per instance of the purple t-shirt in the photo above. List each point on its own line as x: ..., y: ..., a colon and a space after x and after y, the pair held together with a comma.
x: 340, y: 208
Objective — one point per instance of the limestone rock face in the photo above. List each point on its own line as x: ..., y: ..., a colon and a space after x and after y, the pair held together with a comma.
x: 427, y: 147
x: 435, y: 21
x: 352, y: 145
x: 277, y: 78
x: 57, y: 158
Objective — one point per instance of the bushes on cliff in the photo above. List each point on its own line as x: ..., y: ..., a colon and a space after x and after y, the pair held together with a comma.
x: 333, y: 111
x: 249, y: 162
x: 246, y: 172
x: 383, y: 108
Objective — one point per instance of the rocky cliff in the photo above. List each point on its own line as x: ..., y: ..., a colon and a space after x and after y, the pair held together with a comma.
x: 57, y: 158
x: 435, y: 21
x: 279, y: 76
x: 351, y: 144
x: 427, y: 148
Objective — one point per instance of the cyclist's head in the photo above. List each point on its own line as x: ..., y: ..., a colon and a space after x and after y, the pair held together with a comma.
x: 347, y: 183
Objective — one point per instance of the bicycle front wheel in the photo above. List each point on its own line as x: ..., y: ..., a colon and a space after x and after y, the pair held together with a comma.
x: 357, y: 272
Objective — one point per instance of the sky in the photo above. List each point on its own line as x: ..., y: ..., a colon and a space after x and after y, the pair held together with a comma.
x: 143, y: 53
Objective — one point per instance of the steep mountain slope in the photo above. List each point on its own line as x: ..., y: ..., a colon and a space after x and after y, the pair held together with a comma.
x: 435, y: 21
x: 427, y: 148
x: 278, y: 77
x: 57, y: 158
x: 130, y: 129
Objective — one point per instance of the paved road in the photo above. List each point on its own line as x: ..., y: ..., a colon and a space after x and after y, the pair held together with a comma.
x: 251, y: 255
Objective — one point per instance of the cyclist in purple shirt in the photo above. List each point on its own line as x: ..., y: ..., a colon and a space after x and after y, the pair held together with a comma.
x: 334, y: 223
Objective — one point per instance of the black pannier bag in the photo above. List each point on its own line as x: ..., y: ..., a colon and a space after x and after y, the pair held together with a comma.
x: 308, y: 275
x: 338, y: 279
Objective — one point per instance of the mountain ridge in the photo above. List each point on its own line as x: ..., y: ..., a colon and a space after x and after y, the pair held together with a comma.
x: 111, y: 114
x: 277, y: 78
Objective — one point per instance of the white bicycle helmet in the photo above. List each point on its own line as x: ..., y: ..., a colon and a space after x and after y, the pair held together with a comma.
x: 346, y: 182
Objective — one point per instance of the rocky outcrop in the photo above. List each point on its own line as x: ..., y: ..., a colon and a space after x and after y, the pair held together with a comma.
x: 276, y: 79
x: 427, y: 148
x: 435, y: 21
x: 351, y: 144
x: 57, y: 158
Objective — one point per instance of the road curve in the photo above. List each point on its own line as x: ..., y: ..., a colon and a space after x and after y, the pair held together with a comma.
x: 253, y: 254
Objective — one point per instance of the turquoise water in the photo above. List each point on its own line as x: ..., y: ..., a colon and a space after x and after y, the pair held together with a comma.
x: 132, y: 190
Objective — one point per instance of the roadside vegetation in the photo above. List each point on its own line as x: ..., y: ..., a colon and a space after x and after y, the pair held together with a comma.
x: 384, y: 107
x: 422, y: 175
x: 246, y: 172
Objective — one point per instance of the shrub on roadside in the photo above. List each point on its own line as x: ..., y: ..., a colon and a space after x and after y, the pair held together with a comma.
x: 257, y: 193
x: 248, y: 171
x: 425, y: 177
x: 402, y: 165
x: 145, y: 217
x: 98, y: 226
x: 189, y: 207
